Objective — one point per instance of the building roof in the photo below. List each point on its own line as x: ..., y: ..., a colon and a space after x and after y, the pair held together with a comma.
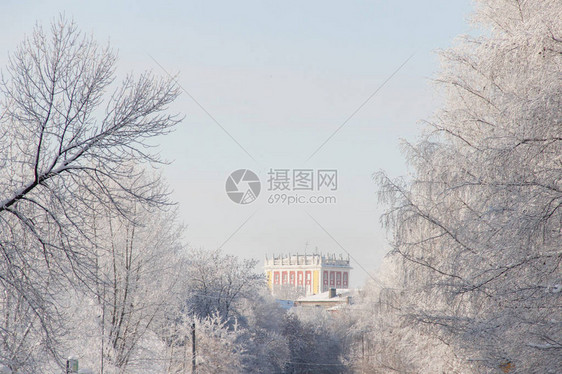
x: 290, y: 260
x: 285, y: 304
x: 325, y: 296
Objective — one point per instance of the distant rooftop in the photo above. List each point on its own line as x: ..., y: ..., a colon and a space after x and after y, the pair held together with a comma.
x: 330, y: 259
x: 325, y: 296
x: 285, y: 304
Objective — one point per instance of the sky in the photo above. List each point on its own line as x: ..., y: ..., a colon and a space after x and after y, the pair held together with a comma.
x: 275, y: 87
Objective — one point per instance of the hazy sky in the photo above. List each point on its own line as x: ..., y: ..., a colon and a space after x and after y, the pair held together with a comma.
x: 280, y: 77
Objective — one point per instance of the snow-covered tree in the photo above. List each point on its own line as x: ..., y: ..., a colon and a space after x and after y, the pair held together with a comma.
x: 138, y: 265
x: 479, y: 224
x: 216, y: 348
x: 217, y: 282
x: 260, y: 333
x: 316, y: 341
x: 383, y: 338
x: 69, y: 138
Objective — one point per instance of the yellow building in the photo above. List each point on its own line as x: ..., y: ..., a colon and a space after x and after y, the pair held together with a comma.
x: 307, y: 274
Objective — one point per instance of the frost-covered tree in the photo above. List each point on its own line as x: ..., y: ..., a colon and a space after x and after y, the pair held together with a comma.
x: 316, y: 341
x: 479, y: 224
x: 216, y: 347
x: 138, y: 267
x: 383, y: 338
x: 234, y: 315
x: 69, y: 137
x: 217, y: 282
x: 260, y: 334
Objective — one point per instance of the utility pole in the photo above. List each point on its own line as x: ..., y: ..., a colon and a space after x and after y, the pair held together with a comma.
x: 363, y: 349
x: 193, y: 361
